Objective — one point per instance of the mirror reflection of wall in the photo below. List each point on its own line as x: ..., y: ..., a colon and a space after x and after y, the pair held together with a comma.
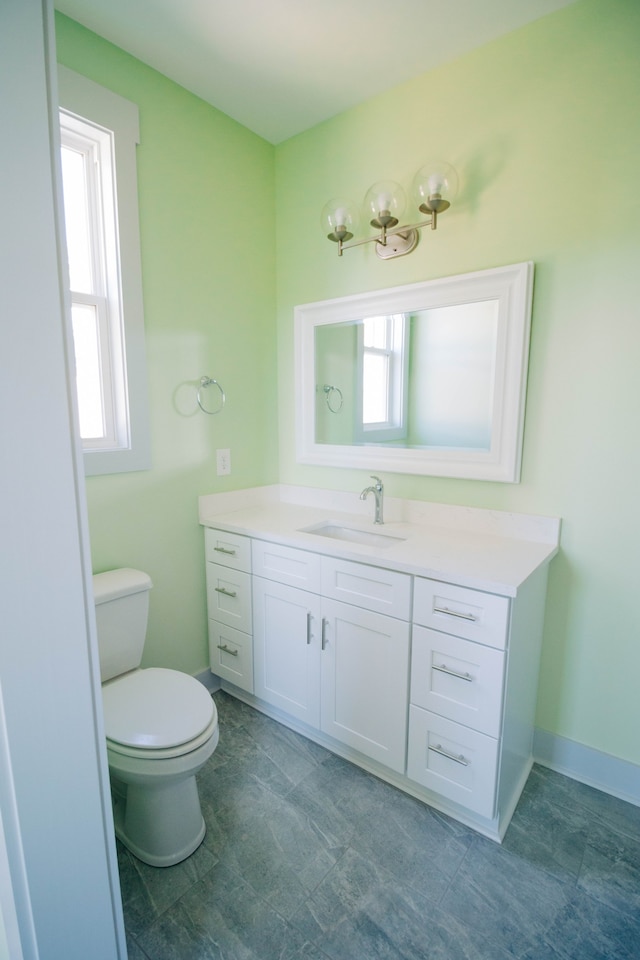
x: 413, y: 380
x: 451, y: 375
x: 335, y: 365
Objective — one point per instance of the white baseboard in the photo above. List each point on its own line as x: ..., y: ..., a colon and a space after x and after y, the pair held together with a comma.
x: 619, y: 778
x: 208, y: 680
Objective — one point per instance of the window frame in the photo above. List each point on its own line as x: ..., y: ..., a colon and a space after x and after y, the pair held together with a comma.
x: 129, y: 449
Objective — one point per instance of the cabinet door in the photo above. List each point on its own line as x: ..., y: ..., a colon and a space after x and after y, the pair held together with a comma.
x: 287, y: 649
x: 365, y: 680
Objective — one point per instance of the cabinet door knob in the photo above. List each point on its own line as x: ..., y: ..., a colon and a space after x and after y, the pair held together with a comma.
x: 324, y: 632
x: 309, y: 633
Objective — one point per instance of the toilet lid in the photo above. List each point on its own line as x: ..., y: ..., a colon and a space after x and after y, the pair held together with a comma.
x: 155, y: 708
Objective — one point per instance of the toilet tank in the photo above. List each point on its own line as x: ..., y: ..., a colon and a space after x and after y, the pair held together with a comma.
x: 122, y: 605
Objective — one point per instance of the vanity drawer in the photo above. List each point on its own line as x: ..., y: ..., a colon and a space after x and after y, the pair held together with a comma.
x: 231, y: 655
x: 458, y: 679
x: 453, y: 761
x: 228, y: 549
x: 478, y: 616
x: 229, y: 596
x: 297, y: 568
x: 382, y: 591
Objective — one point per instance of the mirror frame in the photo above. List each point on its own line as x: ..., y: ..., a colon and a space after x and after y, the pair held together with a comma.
x: 512, y: 286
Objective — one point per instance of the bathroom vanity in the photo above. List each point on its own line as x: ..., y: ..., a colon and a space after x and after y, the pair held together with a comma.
x: 410, y: 649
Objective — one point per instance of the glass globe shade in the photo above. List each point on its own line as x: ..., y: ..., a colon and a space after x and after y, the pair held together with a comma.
x: 384, y: 204
x: 435, y: 186
x: 339, y: 219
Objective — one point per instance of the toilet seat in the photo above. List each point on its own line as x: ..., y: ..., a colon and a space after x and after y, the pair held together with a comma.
x: 120, y: 750
x: 157, y: 713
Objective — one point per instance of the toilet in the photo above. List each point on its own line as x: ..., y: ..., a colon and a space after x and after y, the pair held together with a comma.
x: 161, y: 728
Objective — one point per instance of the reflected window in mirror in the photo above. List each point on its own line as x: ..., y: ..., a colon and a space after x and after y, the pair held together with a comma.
x: 382, y: 384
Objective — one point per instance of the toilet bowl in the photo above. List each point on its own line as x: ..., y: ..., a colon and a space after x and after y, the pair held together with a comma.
x: 161, y: 728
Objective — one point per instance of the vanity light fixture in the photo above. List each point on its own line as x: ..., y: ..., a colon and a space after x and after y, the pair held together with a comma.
x: 434, y: 187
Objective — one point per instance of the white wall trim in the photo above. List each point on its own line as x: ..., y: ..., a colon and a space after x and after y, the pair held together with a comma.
x: 208, y: 680
x: 14, y: 888
x: 619, y: 778
x: 66, y: 904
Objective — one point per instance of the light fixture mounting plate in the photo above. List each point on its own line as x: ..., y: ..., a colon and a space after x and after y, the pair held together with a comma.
x: 398, y: 244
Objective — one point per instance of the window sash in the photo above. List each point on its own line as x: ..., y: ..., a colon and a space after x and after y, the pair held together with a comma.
x: 96, y: 304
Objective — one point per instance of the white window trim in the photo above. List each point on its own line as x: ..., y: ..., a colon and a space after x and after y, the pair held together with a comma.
x: 88, y: 100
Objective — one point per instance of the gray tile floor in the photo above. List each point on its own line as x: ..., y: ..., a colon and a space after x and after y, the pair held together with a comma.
x: 307, y: 856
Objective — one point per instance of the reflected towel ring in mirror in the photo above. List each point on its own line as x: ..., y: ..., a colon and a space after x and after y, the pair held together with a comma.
x: 333, y: 397
x: 207, y: 382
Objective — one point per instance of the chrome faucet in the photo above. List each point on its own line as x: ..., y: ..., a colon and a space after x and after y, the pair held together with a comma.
x: 378, y: 492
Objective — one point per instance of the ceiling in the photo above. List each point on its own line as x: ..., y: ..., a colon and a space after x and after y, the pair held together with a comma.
x: 282, y: 66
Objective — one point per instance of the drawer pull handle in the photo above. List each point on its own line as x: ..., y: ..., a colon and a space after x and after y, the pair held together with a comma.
x: 450, y: 756
x: 309, y: 634
x: 443, y: 668
x: 324, y: 632
x: 455, y: 613
x: 226, y: 593
x: 223, y: 646
x: 230, y: 553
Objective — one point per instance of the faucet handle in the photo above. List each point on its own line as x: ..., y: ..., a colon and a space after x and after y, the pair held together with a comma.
x: 377, y: 479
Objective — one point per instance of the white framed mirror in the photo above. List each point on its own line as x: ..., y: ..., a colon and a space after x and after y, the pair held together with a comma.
x: 428, y: 378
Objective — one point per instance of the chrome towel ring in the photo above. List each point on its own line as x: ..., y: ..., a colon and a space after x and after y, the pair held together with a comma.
x: 208, y: 382
x: 333, y: 397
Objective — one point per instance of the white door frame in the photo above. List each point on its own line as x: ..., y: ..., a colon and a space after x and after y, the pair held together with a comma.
x: 58, y: 848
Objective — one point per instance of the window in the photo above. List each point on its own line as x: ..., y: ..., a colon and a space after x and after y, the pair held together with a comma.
x: 382, y: 397
x: 99, y: 133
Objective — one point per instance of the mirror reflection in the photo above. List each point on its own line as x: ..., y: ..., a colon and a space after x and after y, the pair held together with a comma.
x: 419, y: 380
x: 429, y: 378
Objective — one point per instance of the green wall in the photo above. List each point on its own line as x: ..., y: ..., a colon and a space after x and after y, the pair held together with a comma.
x: 206, y: 192
x: 542, y: 126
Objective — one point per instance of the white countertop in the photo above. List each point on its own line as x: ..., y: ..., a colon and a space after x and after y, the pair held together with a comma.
x: 455, y: 552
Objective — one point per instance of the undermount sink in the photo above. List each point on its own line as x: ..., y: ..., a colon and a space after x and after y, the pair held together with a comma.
x: 340, y: 531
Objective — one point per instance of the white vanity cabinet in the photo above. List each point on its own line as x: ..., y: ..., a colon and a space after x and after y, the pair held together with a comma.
x: 340, y: 667
x: 429, y: 684
x: 228, y: 573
